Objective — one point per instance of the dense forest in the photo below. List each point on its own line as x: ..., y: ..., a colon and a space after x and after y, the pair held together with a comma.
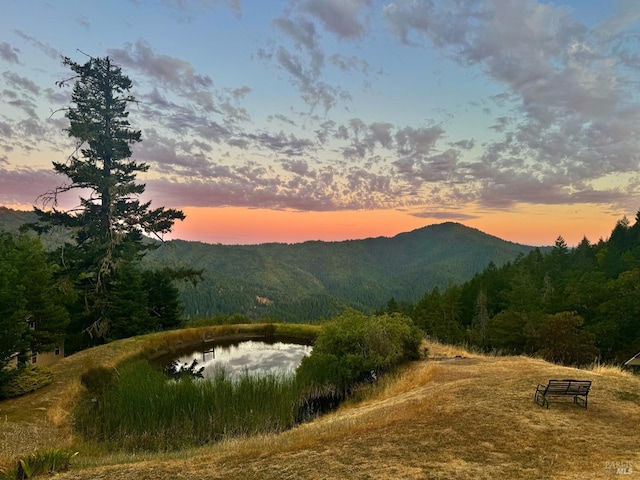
x: 569, y: 305
x: 308, y: 281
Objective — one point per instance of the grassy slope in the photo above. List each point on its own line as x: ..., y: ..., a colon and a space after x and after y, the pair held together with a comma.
x: 469, y: 417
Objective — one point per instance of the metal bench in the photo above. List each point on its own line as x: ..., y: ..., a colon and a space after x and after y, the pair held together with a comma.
x: 556, y: 390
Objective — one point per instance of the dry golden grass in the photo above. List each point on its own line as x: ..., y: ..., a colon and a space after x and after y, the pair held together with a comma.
x: 470, y: 417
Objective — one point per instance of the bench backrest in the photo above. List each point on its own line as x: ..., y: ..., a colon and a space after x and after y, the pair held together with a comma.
x: 568, y: 387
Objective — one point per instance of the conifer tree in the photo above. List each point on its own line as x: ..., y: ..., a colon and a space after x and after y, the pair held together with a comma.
x: 110, y: 223
x: 32, y: 314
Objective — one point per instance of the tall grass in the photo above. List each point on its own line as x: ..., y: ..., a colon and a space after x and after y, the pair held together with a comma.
x: 146, y: 411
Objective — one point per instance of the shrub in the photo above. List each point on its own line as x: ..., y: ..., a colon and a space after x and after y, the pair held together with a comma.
x: 98, y: 380
x: 25, y: 380
x: 354, y: 348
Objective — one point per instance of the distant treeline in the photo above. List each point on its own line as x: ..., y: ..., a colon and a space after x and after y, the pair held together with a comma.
x: 312, y: 280
x: 571, y: 306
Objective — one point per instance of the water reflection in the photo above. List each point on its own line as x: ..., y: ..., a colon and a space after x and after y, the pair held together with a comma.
x: 255, y: 357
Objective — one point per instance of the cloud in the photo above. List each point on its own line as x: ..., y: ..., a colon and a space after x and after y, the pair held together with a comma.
x: 282, y: 143
x: 83, y: 22
x: 441, y: 215
x: 306, y: 62
x: 27, y: 106
x: 282, y: 118
x: 8, y: 53
x: 240, y: 92
x: 44, y: 47
x: 5, y: 129
x: 167, y: 71
x: 58, y: 97
x: 573, y: 115
x: 301, y: 31
x: 516, y: 187
x: 229, y: 190
x: 350, y: 63
x: 417, y: 141
x: 22, y: 83
x: 23, y: 186
x: 313, y: 91
x: 625, y: 14
x: 299, y: 167
x: 340, y: 17
x: 175, y: 157
x: 561, y: 122
x: 234, y: 5
x: 164, y: 69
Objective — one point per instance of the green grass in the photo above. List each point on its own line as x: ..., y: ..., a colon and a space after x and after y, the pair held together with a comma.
x: 144, y: 410
x: 45, y: 462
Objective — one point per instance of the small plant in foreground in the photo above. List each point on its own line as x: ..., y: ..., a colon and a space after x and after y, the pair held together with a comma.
x: 45, y: 462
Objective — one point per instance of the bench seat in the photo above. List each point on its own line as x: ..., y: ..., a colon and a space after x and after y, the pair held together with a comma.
x: 556, y: 390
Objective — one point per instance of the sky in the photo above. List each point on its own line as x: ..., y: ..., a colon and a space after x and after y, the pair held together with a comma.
x: 294, y: 120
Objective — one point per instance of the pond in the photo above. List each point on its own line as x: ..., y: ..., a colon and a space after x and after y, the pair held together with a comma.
x: 253, y: 356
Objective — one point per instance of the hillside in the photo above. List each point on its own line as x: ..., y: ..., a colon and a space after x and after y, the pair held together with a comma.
x: 307, y: 281
x: 447, y: 417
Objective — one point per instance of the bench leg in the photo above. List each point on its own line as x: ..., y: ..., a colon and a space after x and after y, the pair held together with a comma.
x: 581, y: 402
x: 537, y: 397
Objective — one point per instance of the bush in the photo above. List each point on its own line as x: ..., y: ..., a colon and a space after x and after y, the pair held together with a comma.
x: 98, y: 380
x: 355, y: 348
x: 49, y: 462
x: 25, y: 380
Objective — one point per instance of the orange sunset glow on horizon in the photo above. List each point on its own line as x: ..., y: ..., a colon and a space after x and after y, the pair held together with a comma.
x: 240, y: 226
x: 336, y: 120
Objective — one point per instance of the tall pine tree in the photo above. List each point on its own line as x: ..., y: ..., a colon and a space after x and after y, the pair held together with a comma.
x: 110, y: 223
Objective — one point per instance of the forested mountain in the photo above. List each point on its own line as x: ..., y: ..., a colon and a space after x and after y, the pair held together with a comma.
x: 570, y: 306
x: 306, y: 281
x: 311, y: 280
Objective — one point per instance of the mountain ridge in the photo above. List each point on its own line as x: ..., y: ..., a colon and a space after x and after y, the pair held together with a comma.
x: 306, y: 281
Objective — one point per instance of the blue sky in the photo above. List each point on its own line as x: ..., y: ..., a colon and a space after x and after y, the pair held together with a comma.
x: 471, y: 111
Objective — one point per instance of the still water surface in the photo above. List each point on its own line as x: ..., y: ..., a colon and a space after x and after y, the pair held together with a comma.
x: 254, y: 357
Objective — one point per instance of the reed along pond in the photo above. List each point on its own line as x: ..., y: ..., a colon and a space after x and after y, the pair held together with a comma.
x: 255, y: 357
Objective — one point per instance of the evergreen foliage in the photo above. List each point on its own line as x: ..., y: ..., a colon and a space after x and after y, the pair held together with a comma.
x: 107, y: 231
x: 569, y: 305
x: 33, y: 317
x: 514, y: 307
x: 312, y: 280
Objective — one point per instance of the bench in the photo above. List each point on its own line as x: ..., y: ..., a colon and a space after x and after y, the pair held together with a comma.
x: 558, y: 389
